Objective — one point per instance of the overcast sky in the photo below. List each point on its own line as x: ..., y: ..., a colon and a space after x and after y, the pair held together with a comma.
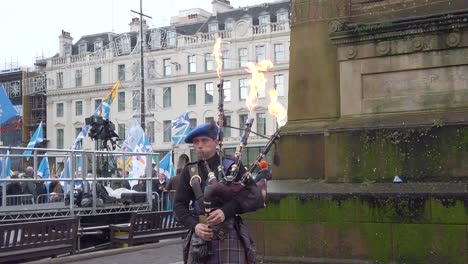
x: 31, y: 28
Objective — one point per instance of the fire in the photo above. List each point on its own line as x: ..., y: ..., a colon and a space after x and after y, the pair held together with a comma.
x: 257, y: 84
x: 277, y: 109
x: 258, y: 81
x: 218, y: 56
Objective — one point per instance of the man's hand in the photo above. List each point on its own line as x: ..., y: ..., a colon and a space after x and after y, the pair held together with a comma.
x: 216, y: 217
x: 204, y: 231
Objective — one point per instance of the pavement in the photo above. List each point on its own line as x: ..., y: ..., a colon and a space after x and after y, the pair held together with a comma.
x: 165, y: 252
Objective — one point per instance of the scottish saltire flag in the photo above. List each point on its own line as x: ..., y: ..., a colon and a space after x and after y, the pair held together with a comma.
x: 8, y: 171
x: 181, y: 128
x: 66, y: 174
x: 37, y: 137
x: 44, y: 171
x: 104, y: 108
x: 166, y: 166
x: 7, y: 111
x: 79, y: 138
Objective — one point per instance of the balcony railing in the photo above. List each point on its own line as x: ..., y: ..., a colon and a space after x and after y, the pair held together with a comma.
x: 181, y: 41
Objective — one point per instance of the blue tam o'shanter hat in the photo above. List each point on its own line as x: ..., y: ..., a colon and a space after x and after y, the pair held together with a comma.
x: 206, y: 130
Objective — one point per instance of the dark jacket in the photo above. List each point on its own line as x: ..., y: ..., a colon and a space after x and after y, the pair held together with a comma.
x: 184, y: 193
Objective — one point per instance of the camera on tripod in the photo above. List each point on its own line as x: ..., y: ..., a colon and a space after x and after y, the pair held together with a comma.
x: 102, y: 129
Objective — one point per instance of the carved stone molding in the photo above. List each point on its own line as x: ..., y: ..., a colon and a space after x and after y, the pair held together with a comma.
x: 417, y: 44
x: 382, y: 48
x: 351, y: 52
x: 335, y: 26
x: 453, y: 39
x: 401, y: 29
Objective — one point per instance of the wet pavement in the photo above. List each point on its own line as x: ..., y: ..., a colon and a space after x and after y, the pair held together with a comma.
x: 164, y: 252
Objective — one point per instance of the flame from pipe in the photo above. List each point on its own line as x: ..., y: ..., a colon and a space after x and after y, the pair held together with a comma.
x: 257, y: 82
x: 277, y: 109
x: 218, y: 56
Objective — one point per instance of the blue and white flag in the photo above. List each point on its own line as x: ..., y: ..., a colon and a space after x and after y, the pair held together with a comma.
x: 181, y: 128
x: 166, y: 166
x: 80, y: 137
x: 8, y: 171
x: 44, y: 171
x: 37, y: 137
x: 7, y: 111
x: 136, y: 142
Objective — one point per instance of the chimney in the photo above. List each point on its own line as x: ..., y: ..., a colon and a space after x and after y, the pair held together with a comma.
x: 221, y: 6
x: 135, y: 25
x: 64, y: 40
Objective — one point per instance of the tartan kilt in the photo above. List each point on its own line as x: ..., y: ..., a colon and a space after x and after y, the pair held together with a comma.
x: 236, y: 248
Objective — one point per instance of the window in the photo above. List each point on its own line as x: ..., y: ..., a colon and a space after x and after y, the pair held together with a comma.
x: 193, y: 123
x: 279, y: 84
x: 78, y: 78
x: 60, y: 137
x: 59, y: 79
x: 261, y: 124
x: 97, y: 103
x: 213, y: 27
x: 150, y: 131
x: 192, y: 64
x: 229, y: 25
x: 260, y: 53
x: 78, y: 108
x: 121, y: 131
x: 68, y: 50
x: 171, y: 37
x: 261, y: 93
x: 282, y: 17
x: 192, y: 94
x: 77, y: 131
x: 243, y: 89
x: 208, y: 119
x: 97, y: 75
x: 226, y: 59
x: 150, y: 68
x: 227, y: 130
x: 263, y: 20
x: 121, y: 102
x: 242, y: 120
x: 59, y: 110
x: 82, y: 48
x: 155, y: 39
x: 279, y: 53
x: 136, y: 99
x: 209, y: 92
x: 167, y: 97
x: 227, y: 91
x: 98, y: 45
x: 167, y: 135
x: 121, y: 72
x: 243, y: 57
x: 209, y: 66
x: 167, y: 67
x: 150, y: 99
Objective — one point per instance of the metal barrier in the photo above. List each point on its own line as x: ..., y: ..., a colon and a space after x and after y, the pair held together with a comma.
x: 20, y: 199
x: 64, y: 204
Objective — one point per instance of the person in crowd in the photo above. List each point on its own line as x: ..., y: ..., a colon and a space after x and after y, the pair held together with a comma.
x: 221, y: 237
x: 174, y: 181
x: 264, y: 172
x: 28, y: 187
x: 56, y: 189
x: 116, y: 184
x: 14, y: 188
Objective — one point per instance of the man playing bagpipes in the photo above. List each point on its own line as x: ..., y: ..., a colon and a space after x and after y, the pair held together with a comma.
x: 217, y: 234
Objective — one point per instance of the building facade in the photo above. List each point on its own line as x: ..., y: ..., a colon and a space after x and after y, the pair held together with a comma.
x: 180, y: 74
